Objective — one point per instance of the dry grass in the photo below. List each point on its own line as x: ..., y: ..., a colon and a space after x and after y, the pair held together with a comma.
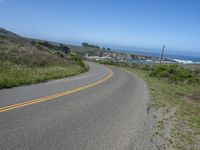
x: 21, y: 62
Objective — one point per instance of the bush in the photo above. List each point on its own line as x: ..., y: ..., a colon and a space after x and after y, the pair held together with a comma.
x: 78, y: 61
x: 175, y: 73
x: 171, y: 72
x: 61, y: 47
x: 90, y: 45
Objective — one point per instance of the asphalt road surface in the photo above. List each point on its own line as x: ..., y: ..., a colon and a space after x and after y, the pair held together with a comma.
x: 108, y: 114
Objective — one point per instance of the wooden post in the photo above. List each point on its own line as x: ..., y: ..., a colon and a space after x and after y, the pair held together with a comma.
x: 161, y: 58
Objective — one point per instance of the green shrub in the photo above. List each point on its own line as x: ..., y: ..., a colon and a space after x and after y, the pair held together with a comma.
x: 175, y: 73
x: 78, y: 60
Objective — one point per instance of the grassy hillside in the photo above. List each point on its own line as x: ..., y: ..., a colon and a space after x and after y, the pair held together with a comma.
x: 27, y: 61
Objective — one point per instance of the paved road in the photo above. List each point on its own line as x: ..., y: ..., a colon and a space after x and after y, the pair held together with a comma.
x: 108, y: 116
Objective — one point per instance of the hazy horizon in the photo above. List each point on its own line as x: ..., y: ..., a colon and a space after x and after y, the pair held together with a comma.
x: 136, y: 50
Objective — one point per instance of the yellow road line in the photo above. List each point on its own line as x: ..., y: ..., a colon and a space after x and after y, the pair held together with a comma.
x: 50, y: 97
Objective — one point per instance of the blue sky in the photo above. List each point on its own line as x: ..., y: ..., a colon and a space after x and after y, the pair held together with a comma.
x: 130, y: 24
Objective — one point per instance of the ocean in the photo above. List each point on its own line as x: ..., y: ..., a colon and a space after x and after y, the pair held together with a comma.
x: 185, y: 59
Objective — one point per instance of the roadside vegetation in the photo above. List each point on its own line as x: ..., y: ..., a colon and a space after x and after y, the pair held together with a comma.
x: 175, y: 103
x: 27, y: 61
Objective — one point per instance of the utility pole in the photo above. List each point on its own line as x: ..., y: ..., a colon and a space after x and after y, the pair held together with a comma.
x: 161, y: 58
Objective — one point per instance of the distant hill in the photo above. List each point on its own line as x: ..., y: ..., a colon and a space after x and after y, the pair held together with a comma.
x: 4, y: 31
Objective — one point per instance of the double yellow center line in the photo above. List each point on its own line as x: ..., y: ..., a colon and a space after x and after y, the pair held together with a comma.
x: 54, y: 96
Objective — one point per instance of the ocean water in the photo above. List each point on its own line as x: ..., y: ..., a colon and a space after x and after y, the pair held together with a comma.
x: 177, y: 57
x: 184, y: 59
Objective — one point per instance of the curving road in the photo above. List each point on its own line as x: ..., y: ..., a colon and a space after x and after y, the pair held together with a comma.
x: 108, y: 114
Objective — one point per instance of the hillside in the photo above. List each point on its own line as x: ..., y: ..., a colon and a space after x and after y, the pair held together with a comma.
x: 27, y: 61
